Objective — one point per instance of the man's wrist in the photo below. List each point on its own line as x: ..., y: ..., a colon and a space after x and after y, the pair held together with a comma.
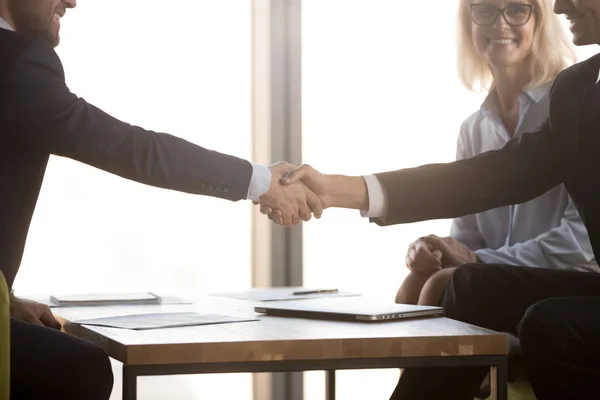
x: 348, y: 192
x: 260, y: 182
x: 376, y: 198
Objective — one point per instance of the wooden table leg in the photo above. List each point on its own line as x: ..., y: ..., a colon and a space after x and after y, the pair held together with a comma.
x: 330, y: 384
x: 129, y: 383
x: 498, y: 382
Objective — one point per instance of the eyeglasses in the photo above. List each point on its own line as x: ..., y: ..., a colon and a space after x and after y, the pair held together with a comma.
x: 516, y: 14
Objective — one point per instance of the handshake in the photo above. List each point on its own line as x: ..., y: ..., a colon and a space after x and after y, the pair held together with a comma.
x: 295, y: 194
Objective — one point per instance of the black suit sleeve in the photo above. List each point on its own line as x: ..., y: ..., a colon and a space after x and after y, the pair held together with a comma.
x: 523, y: 169
x: 42, y: 114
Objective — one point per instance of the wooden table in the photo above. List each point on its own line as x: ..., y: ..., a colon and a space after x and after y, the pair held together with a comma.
x: 276, y: 344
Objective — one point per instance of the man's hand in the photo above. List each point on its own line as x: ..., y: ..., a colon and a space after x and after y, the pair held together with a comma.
x: 30, y: 311
x: 315, y: 181
x: 423, y: 257
x: 454, y: 253
x: 292, y: 202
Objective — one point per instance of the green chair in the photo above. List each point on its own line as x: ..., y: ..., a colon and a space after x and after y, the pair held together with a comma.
x: 519, y: 389
x: 4, y: 340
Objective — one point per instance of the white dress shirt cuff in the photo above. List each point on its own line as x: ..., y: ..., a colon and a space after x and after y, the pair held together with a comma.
x: 5, y: 25
x: 377, y: 198
x: 260, y: 181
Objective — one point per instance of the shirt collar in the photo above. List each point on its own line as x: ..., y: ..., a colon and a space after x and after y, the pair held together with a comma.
x: 537, y: 93
x: 5, y: 25
x: 533, y: 94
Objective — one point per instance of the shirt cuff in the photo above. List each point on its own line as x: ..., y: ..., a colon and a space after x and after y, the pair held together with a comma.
x: 260, y: 181
x: 377, y: 198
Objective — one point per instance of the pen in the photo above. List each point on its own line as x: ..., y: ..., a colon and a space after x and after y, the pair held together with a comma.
x: 301, y: 292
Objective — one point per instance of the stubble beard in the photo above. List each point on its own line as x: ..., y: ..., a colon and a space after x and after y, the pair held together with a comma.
x: 30, y: 20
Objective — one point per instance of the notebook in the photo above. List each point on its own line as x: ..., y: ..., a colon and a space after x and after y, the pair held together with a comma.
x: 105, y: 299
x: 345, y: 310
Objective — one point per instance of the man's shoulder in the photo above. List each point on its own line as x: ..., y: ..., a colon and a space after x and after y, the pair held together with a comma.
x: 14, y: 46
x: 583, y: 72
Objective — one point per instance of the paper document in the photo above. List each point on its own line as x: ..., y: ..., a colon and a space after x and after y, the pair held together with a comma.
x: 161, y: 320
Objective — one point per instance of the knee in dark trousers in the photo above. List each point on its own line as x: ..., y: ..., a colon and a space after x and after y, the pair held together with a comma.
x: 88, y: 374
x: 545, y: 327
x: 52, y: 365
x: 97, y: 375
x: 559, y: 343
x: 535, y: 336
x: 534, y: 322
x: 460, y: 295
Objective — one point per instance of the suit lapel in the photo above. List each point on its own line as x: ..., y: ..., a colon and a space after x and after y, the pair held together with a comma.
x: 590, y: 102
x: 588, y: 118
x: 584, y: 114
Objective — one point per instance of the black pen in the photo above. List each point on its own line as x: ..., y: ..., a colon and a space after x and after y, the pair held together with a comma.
x: 317, y: 291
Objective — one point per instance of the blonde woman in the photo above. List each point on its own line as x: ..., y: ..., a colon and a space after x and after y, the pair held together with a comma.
x: 514, y: 49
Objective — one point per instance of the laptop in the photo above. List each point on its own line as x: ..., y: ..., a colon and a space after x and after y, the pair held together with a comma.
x: 347, y: 310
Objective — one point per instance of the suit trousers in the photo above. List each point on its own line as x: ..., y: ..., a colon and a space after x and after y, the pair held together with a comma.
x: 51, y: 365
x: 555, y: 313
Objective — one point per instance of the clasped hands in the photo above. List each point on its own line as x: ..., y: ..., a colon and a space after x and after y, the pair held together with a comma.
x: 295, y: 194
x: 430, y: 254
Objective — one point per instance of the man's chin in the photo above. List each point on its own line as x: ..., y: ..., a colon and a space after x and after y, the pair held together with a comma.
x: 583, y: 39
x: 49, y: 35
x: 54, y: 33
x: 53, y: 38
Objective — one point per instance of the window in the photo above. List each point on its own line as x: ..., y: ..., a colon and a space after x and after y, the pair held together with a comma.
x: 180, y: 68
x: 379, y: 93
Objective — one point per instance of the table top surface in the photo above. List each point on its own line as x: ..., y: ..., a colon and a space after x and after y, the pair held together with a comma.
x: 276, y: 338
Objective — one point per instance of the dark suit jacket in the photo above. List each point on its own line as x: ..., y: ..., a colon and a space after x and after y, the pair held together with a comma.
x: 39, y: 116
x: 565, y: 150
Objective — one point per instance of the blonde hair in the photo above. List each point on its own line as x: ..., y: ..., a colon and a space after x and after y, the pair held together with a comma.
x: 551, y: 50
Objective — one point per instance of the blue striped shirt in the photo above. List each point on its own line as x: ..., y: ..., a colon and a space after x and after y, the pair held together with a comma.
x: 544, y: 232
